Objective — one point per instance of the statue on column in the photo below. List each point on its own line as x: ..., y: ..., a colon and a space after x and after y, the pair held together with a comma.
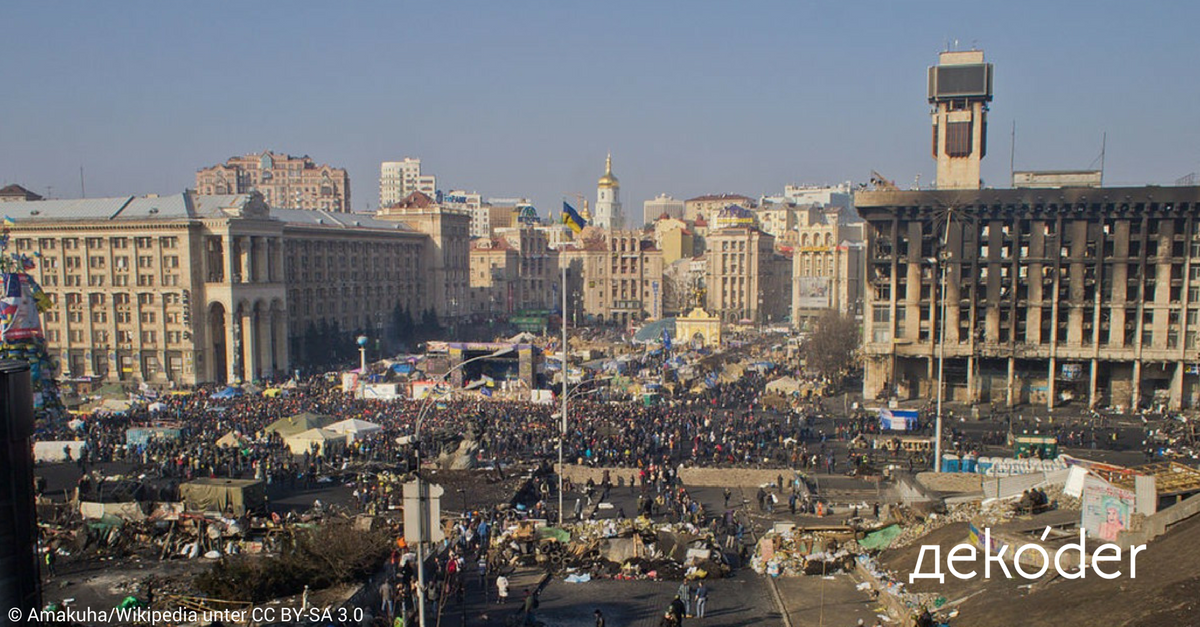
x: 698, y: 295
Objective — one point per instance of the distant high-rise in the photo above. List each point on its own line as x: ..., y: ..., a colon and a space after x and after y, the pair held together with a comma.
x: 608, y: 214
x: 960, y: 88
x: 286, y: 182
x: 663, y: 204
x: 398, y: 179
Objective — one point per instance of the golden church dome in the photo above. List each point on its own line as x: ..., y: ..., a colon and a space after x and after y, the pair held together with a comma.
x: 608, y: 180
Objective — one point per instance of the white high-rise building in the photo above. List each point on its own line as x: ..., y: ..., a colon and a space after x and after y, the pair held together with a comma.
x: 608, y: 214
x: 471, y: 202
x: 398, y: 179
x: 841, y: 195
x: 662, y: 204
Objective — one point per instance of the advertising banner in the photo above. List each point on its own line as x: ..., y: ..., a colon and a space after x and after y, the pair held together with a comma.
x: 812, y: 292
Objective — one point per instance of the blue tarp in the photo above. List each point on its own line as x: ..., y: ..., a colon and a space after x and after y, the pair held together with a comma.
x: 229, y: 392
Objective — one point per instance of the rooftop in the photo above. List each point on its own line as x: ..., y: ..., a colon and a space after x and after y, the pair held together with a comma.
x: 181, y: 207
x: 710, y: 197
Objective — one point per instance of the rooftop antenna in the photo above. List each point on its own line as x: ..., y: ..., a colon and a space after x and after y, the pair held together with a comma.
x: 82, y: 192
x: 1103, y: 146
x: 1103, y: 149
x: 1012, y: 157
x: 49, y: 190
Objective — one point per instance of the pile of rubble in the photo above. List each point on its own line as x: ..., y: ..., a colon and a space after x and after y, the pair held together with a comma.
x: 164, y: 530
x: 796, y: 551
x: 611, y: 549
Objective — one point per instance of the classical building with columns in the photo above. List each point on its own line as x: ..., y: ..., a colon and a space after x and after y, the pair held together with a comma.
x: 188, y: 289
x: 349, y: 270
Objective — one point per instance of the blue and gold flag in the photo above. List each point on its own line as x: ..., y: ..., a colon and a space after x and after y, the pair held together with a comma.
x: 571, y: 218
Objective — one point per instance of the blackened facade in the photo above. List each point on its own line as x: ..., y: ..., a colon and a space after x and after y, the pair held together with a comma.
x: 1082, y: 295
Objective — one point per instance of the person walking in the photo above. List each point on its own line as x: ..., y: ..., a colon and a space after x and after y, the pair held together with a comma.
x: 387, y: 599
x: 701, y: 599
x: 599, y: 618
x: 501, y: 589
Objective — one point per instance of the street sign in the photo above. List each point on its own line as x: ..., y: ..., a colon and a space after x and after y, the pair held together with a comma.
x: 427, y: 510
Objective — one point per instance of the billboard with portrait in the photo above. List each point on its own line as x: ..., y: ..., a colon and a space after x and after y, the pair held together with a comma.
x: 1106, y: 508
x: 812, y: 292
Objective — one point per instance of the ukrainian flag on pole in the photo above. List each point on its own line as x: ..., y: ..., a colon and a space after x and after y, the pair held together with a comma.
x: 571, y: 218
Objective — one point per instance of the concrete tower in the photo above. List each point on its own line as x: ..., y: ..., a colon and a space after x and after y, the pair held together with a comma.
x: 608, y: 214
x: 960, y: 88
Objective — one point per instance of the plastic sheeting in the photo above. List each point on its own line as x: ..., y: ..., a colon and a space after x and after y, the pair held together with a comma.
x: 880, y: 539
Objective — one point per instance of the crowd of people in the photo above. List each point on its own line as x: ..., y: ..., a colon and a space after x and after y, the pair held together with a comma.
x: 727, y: 426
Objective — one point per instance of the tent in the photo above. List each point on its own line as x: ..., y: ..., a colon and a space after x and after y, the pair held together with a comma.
x: 784, y: 386
x: 297, y: 424
x: 326, y: 441
x: 115, y: 406
x: 653, y: 332
x: 354, y: 428
x: 231, y: 440
x: 227, y: 393
x: 221, y: 495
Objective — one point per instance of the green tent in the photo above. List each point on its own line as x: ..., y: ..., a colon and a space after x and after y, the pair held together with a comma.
x: 298, y: 424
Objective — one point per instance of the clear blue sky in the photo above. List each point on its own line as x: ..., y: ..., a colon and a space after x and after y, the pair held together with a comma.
x: 525, y: 98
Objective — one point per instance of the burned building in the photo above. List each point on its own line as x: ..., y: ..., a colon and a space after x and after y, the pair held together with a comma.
x: 1078, y: 294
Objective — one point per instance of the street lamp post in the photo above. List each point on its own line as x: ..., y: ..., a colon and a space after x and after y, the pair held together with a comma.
x: 420, y: 497
x: 937, y: 460
x: 562, y: 432
x: 944, y: 260
x: 362, y: 355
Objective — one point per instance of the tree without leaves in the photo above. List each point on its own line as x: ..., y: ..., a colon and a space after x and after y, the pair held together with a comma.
x: 335, y: 552
x: 830, y: 349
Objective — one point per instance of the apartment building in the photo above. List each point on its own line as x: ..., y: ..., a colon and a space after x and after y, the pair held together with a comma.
x: 284, y: 181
